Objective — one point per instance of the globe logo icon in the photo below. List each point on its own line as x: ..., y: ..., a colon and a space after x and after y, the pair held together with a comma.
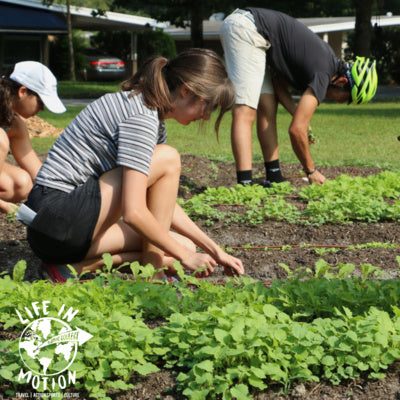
x: 48, y: 346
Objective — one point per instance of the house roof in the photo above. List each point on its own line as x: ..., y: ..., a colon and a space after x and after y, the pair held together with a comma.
x: 14, y: 19
x: 317, y: 25
x: 332, y: 24
x: 82, y: 17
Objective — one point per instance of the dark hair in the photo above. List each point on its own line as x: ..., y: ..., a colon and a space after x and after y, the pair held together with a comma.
x: 8, y: 94
x: 342, y: 67
x: 200, y: 70
x: 343, y: 71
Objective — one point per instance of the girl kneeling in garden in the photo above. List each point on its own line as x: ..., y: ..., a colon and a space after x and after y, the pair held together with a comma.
x: 112, y: 162
x: 24, y: 91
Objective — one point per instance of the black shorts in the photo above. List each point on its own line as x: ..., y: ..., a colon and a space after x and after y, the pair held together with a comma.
x: 63, y: 228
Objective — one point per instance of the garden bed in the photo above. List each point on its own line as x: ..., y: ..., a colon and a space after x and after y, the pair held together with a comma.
x: 199, y: 173
x: 262, y: 248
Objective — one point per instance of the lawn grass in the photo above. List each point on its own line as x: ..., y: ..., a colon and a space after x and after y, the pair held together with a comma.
x: 345, y: 135
x: 60, y: 120
x: 85, y: 90
x: 43, y: 144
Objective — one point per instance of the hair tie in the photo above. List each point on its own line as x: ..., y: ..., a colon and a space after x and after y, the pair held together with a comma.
x: 166, y: 65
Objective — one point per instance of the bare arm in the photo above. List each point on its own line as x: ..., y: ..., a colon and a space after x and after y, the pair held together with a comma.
x: 182, y: 223
x: 21, y: 147
x: 4, y: 147
x: 299, y: 137
x: 286, y: 99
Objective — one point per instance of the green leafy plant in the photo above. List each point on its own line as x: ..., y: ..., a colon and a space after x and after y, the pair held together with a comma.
x: 228, y: 341
x: 341, y: 200
x: 11, y: 215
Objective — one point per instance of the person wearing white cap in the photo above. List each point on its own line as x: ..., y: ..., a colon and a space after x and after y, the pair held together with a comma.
x: 24, y: 91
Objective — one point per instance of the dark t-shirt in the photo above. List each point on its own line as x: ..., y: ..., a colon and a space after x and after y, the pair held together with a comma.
x: 297, y: 54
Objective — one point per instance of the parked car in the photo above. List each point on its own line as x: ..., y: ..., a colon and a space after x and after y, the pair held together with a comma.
x: 103, y: 67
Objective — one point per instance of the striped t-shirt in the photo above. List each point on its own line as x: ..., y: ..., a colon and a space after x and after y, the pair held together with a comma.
x: 115, y: 130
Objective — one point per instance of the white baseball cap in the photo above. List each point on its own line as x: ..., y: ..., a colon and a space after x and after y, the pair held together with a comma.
x: 38, y: 78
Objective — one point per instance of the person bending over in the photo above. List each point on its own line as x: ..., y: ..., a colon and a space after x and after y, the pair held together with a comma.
x: 266, y: 52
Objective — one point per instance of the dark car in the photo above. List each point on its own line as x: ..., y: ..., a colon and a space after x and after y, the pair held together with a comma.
x: 103, y: 67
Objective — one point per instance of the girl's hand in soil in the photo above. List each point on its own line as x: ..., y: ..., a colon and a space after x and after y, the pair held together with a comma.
x: 231, y: 264
x: 197, y: 261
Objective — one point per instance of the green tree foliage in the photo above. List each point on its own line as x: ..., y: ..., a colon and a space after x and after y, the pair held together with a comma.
x: 185, y: 13
x: 68, y: 18
x: 192, y: 13
x: 59, y: 61
x: 385, y: 49
x: 96, y: 4
x: 155, y: 43
x: 392, y: 6
x: 179, y: 12
x: 309, y: 9
x: 116, y: 43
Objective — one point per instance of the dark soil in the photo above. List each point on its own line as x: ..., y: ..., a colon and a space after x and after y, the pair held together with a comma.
x: 199, y: 173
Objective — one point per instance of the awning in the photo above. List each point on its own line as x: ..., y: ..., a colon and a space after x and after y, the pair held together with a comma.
x: 81, y: 18
x: 16, y: 19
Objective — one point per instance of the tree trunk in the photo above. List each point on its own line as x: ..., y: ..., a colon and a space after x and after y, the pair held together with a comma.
x: 363, y: 28
x: 196, y: 23
x: 72, y: 75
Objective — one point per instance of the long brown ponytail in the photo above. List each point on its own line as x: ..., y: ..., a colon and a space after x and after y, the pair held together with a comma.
x: 200, y: 70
